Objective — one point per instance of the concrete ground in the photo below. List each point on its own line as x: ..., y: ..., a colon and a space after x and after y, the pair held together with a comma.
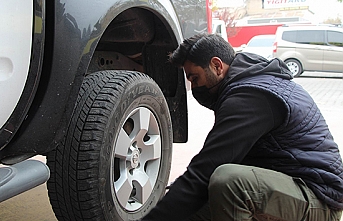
x: 34, y: 205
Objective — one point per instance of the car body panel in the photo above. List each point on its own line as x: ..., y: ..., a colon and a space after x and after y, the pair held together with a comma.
x: 32, y: 75
x: 312, y: 57
x: 333, y: 59
x: 15, y: 53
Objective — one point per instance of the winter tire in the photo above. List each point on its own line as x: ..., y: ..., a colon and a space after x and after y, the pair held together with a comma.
x: 116, y: 157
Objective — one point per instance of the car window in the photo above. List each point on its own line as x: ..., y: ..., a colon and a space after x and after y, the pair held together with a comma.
x: 261, y: 42
x: 335, y: 38
x: 313, y: 37
x: 218, y: 30
x: 290, y: 36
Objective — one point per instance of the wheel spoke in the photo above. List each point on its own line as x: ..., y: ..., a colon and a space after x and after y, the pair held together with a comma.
x: 123, y: 144
x: 123, y: 189
x: 141, y: 123
x: 144, y: 119
x: 143, y: 185
x: 151, y: 149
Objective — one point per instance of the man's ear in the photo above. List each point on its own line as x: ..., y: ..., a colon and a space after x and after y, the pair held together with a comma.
x: 217, y: 65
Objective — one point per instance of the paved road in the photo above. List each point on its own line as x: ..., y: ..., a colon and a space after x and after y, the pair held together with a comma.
x: 327, y: 92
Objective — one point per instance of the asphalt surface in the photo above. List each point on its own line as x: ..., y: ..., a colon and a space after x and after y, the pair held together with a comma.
x: 34, y: 205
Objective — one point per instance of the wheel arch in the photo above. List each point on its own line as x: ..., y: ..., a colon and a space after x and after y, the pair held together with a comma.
x: 140, y: 38
x: 292, y: 54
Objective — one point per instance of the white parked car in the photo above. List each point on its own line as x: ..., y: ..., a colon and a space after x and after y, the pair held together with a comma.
x: 261, y: 45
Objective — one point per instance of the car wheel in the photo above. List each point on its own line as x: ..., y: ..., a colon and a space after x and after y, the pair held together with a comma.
x: 116, y: 157
x: 295, y: 67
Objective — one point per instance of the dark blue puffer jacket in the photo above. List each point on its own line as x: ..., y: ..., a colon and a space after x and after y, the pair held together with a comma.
x: 303, y: 145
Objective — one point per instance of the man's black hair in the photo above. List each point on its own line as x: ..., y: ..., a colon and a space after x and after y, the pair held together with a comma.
x: 200, y: 48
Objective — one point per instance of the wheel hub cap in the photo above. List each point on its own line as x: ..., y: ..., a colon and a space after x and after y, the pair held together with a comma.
x: 135, y: 159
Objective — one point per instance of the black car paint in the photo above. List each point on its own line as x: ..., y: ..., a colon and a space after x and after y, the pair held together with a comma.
x: 70, y: 34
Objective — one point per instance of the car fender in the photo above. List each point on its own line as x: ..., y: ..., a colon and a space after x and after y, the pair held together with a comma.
x: 73, y: 31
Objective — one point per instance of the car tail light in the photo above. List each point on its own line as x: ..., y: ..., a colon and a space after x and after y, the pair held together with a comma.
x: 274, y: 47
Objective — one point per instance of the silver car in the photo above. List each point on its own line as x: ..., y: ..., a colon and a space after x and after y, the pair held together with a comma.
x: 310, y: 48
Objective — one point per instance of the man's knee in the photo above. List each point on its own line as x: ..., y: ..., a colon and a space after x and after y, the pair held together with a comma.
x: 231, y: 175
x: 221, y: 174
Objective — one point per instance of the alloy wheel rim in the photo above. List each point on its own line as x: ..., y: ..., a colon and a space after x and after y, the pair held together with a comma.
x: 136, y: 159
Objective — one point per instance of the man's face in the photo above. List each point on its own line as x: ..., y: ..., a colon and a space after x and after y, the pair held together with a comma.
x: 199, y: 76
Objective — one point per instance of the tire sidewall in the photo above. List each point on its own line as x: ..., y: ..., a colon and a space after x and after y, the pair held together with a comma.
x: 141, y: 93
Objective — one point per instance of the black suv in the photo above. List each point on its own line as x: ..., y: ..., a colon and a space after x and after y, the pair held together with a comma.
x: 88, y: 85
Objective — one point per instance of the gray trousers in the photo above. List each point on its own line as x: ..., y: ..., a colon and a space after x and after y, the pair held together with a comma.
x: 242, y: 193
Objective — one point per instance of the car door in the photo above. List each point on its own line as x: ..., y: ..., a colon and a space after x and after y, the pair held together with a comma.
x: 15, y: 53
x: 310, y: 47
x: 333, y: 53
